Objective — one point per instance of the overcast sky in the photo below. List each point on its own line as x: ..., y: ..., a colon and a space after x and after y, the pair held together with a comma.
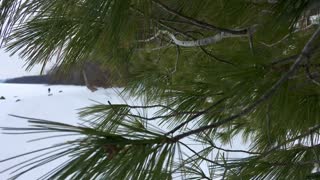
x: 13, y: 66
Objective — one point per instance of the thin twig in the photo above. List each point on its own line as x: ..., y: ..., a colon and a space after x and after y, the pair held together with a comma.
x: 145, y: 107
x: 229, y: 150
x: 284, y: 60
x: 196, y: 115
x: 250, y: 37
x: 200, y: 23
x: 197, y: 154
x: 286, y: 36
x: 235, y: 150
x: 310, y: 131
x: 215, y: 57
x: 309, y: 75
x: 177, y: 59
x: 268, y: 123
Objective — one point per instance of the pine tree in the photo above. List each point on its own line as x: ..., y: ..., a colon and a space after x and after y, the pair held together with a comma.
x: 213, y: 70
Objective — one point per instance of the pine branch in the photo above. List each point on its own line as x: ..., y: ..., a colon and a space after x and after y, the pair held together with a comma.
x: 178, y: 32
x: 305, y: 55
x: 201, y: 47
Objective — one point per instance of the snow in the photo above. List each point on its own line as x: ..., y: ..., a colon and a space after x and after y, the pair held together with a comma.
x: 315, y: 19
x: 33, y: 101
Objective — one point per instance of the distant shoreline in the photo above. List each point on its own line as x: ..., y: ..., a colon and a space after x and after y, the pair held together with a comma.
x: 44, y: 79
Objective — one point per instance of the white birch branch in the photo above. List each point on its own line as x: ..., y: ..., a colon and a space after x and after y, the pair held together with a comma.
x: 194, y: 43
x: 150, y: 38
x: 201, y: 42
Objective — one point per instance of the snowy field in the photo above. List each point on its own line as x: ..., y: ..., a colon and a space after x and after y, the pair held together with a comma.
x: 61, y: 105
x: 34, y: 101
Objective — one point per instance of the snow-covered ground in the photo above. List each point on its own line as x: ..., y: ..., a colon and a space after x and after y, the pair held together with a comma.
x: 34, y: 101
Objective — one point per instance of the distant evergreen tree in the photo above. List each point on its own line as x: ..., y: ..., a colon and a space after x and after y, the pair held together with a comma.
x: 214, y: 70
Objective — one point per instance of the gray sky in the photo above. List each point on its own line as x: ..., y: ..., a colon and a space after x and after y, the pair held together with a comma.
x: 13, y: 66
